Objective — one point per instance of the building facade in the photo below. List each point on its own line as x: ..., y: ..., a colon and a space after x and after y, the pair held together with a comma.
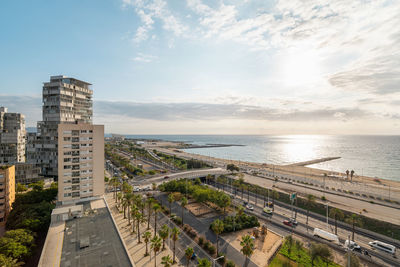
x: 7, y: 191
x: 12, y: 137
x: 80, y: 161
x: 66, y: 100
x: 26, y: 173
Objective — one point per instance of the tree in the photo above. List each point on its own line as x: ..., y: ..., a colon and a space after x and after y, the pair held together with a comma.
x: 204, y: 263
x: 20, y: 188
x: 347, y: 174
x: 155, y: 246
x: 354, y: 220
x: 139, y: 220
x: 9, y: 262
x: 146, y: 236
x: 171, y: 199
x: 248, y: 246
x: 129, y: 197
x: 163, y: 233
x: 223, y: 201
x: 22, y: 236
x: 310, y: 201
x: 351, y: 175
x: 166, y: 261
x: 174, y: 236
x: 232, y: 168
x: 38, y: 186
x: 218, y: 227
x: 336, y: 214
x: 11, y: 248
x: 154, y: 186
x: 183, y: 204
x: 150, y: 202
x: 156, y: 209
x: 134, y: 211
x: 188, y: 253
x: 319, y: 251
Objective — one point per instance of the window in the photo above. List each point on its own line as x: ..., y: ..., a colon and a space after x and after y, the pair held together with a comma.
x: 66, y: 132
x: 67, y: 194
x: 67, y: 138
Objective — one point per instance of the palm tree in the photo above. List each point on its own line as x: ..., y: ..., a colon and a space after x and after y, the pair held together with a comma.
x: 155, y: 246
x: 347, y: 173
x: 119, y: 198
x: 247, y: 249
x: 336, y: 214
x: 125, y: 204
x: 134, y: 211
x: 354, y: 220
x: 166, y: 261
x: 171, y: 199
x: 146, y: 236
x: 208, y: 178
x: 129, y: 197
x: 174, y: 236
x: 204, y: 263
x: 150, y: 202
x: 218, y: 227
x: 139, y: 220
x: 188, y: 253
x: 183, y: 204
x: 156, y: 209
x: 163, y: 233
x: 310, y: 201
x: 351, y: 175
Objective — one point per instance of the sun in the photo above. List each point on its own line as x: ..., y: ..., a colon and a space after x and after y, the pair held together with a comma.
x: 300, y: 67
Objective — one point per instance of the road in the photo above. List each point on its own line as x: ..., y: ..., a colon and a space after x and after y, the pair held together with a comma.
x: 282, y: 213
x: 375, y: 211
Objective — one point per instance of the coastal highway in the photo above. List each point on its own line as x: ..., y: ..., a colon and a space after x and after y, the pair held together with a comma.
x: 372, y: 210
x: 284, y: 212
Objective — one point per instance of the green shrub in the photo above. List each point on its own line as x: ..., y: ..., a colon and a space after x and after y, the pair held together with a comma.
x: 201, y: 240
x: 230, y: 263
x: 239, y: 222
x: 211, y: 249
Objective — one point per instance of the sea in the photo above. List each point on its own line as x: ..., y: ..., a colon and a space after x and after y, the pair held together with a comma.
x: 373, y: 156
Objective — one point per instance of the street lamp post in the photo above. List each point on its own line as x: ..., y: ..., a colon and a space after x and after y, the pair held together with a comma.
x: 214, y: 260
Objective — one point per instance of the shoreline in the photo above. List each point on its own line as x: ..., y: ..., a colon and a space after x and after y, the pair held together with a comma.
x: 170, y: 147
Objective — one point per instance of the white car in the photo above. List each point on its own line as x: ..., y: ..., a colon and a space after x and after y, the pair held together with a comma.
x: 249, y: 207
x: 352, y: 245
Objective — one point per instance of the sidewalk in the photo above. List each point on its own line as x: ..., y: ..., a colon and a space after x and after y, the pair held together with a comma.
x: 136, y: 250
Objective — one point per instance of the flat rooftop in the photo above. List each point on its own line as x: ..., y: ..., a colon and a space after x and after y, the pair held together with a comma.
x: 92, y: 240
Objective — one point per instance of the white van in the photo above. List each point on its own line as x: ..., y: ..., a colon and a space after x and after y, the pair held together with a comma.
x: 326, y: 235
x: 383, y: 246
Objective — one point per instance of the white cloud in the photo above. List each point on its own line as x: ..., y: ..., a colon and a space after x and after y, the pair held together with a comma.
x: 140, y: 57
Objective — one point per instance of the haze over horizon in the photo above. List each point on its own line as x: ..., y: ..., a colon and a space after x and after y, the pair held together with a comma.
x: 211, y: 67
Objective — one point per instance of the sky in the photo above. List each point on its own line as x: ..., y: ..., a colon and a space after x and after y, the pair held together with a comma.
x: 210, y: 67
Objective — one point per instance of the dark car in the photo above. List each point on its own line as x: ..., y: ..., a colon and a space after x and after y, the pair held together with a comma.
x: 288, y: 223
x: 194, y: 256
x: 166, y: 177
x: 245, y: 203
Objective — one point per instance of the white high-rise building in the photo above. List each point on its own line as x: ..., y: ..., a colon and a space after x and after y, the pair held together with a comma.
x: 12, y: 137
x: 80, y: 161
x: 66, y: 100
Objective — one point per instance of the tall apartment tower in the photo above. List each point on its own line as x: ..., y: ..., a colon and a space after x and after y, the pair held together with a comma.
x: 12, y: 137
x: 80, y: 161
x: 66, y: 100
x: 7, y: 191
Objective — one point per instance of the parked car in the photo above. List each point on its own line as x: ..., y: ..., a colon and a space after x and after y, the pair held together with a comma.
x: 166, y: 177
x: 249, y: 207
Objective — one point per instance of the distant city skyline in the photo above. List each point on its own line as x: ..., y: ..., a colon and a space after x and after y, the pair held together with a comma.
x: 211, y: 67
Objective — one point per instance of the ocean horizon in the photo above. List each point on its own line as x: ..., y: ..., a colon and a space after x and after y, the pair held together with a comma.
x: 368, y: 155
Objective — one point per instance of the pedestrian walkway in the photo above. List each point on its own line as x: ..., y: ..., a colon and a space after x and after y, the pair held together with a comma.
x: 135, y: 250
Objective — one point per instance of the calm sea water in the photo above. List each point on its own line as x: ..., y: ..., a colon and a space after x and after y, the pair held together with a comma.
x: 375, y: 156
